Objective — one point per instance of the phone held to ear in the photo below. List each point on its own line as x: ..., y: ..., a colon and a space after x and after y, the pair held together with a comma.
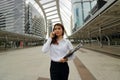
x: 52, y: 35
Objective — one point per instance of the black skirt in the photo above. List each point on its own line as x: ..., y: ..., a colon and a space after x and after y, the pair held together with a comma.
x: 59, y: 71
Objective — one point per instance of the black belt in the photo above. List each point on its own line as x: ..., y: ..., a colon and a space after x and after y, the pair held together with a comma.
x: 58, y: 62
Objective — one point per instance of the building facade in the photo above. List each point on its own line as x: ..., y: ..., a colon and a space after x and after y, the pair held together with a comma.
x: 12, y: 15
x: 80, y: 10
x: 20, y: 17
x: 50, y: 29
x: 34, y: 21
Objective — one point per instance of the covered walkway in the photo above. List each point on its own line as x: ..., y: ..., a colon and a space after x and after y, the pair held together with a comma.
x: 32, y: 64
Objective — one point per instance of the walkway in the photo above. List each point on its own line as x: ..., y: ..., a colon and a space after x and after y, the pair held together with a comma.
x: 32, y: 64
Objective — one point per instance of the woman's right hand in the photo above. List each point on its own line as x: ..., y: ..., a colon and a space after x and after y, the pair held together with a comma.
x: 63, y: 60
x: 52, y: 34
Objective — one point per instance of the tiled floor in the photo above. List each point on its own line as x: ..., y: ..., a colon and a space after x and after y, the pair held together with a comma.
x: 32, y: 64
x: 29, y: 64
x: 102, y: 67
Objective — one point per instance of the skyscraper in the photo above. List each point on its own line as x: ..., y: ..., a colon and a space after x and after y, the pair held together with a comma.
x: 12, y: 15
x: 80, y: 10
x: 34, y: 21
x: 20, y: 17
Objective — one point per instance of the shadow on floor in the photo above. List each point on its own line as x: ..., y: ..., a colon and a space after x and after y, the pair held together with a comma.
x: 40, y: 78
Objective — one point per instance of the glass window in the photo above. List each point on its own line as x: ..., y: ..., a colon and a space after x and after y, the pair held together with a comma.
x: 55, y: 16
x: 49, y: 4
x: 51, y: 9
x: 93, y: 3
x: 45, y: 1
x: 86, y: 9
x: 55, y: 20
x: 51, y: 13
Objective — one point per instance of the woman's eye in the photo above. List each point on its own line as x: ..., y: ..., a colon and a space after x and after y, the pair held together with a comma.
x: 59, y: 28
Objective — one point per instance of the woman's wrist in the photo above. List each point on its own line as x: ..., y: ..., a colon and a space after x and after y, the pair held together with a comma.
x: 64, y: 60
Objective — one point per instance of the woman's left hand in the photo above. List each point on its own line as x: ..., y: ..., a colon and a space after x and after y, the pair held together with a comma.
x: 63, y: 60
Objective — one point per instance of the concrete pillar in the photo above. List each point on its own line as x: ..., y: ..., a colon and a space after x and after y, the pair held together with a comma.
x: 98, y: 40
x: 100, y: 35
x: 108, y: 40
x: 89, y: 35
x: 6, y: 39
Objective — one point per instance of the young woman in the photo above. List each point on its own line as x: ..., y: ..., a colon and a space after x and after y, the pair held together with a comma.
x: 58, y: 47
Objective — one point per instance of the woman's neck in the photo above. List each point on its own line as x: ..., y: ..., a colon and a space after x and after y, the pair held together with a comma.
x: 59, y: 38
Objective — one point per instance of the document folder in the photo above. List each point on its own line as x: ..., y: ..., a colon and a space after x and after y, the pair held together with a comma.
x: 70, y: 53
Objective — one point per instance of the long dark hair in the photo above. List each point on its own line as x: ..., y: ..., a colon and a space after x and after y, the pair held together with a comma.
x: 54, y: 39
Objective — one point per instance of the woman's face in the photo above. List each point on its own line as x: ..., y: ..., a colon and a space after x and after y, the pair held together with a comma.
x: 58, y: 31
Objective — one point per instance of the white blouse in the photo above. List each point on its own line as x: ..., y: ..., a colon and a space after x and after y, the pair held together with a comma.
x: 58, y: 51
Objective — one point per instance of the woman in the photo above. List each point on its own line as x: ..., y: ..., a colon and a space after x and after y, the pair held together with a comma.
x: 58, y: 47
